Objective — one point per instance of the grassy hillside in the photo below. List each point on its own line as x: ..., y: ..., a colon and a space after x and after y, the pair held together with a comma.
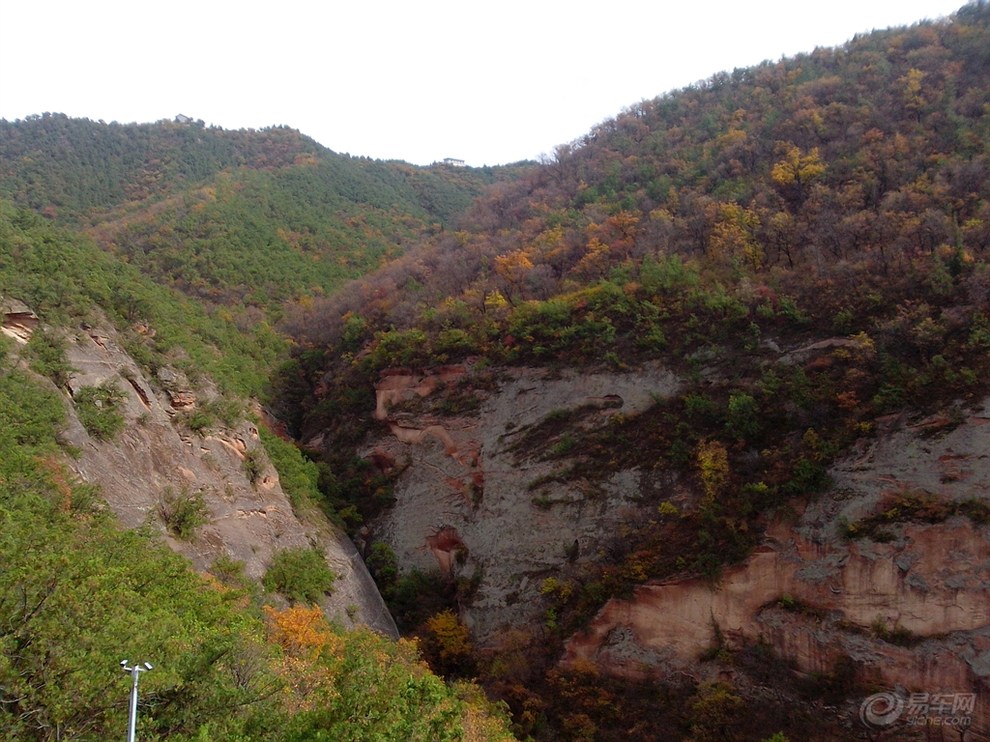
x: 239, y: 221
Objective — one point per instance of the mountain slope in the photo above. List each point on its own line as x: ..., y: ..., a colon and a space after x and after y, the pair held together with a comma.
x: 229, y: 217
x: 104, y: 437
x: 827, y: 163
x: 723, y: 360
x: 75, y: 168
x: 802, y: 247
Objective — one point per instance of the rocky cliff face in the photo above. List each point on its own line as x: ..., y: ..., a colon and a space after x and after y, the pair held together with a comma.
x: 153, y: 458
x: 910, y: 607
x: 904, y: 603
x: 470, y: 502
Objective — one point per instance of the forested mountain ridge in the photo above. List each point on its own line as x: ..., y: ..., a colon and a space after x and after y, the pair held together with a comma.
x: 807, y: 197
x: 74, y: 168
x: 70, y: 167
x: 871, y: 152
x: 242, y: 218
x: 803, y: 244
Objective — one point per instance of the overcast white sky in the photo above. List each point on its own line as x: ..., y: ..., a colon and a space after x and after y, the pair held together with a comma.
x: 486, y: 82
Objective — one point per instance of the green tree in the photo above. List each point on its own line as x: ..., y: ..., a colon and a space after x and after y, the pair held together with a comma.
x: 742, y: 416
x: 715, y: 712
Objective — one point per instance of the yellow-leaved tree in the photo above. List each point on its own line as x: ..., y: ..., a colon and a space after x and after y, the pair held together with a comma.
x: 795, y: 172
x: 359, y: 686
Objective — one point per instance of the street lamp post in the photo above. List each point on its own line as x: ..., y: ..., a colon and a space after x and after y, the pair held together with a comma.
x: 134, y: 670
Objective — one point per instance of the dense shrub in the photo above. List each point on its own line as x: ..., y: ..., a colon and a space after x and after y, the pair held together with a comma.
x: 98, y: 410
x: 298, y: 475
x: 46, y: 352
x: 182, y: 512
x: 29, y: 414
x: 299, y: 574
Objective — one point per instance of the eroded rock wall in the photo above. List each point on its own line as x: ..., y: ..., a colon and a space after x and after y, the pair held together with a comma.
x: 247, y: 520
x: 463, y: 474
x: 912, y: 612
